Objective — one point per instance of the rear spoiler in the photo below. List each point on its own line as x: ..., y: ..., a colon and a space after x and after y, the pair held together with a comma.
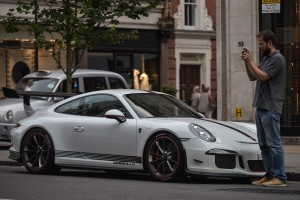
x: 7, y: 92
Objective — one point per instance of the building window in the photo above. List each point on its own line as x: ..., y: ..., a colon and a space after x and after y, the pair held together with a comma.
x: 189, y: 12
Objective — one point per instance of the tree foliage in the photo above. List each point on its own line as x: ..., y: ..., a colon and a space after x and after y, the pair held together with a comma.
x: 74, y: 25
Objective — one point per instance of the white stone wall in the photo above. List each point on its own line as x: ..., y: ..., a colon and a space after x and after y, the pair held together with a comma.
x: 195, y: 41
x: 237, y: 25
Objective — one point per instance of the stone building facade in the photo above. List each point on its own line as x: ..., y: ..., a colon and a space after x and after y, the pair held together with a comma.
x: 180, y: 57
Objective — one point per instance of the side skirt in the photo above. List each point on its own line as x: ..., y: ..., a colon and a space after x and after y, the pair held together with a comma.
x: 92, y: 160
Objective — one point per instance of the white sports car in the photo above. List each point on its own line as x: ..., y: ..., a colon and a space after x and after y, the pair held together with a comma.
x: 134, y: 130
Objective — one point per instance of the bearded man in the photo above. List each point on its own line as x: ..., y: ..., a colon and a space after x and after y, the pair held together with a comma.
x: 268, y: 100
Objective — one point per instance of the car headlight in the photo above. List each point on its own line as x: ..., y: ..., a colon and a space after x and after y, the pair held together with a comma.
x: 201, y: 133
x: 9, y: 115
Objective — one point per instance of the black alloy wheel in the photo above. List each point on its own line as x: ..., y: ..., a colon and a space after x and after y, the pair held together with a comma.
x: 164, y: 157
x: 37, y: 152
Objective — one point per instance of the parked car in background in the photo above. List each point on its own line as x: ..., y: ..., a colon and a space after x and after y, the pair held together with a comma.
x: 135, y: 130
x: 84, y: 80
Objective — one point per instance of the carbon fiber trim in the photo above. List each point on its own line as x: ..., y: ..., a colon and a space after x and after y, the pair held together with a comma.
x: 95, y: 156
x: 68, y: 154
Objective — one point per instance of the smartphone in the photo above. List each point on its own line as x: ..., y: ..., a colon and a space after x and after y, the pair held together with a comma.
x: 245, y: 50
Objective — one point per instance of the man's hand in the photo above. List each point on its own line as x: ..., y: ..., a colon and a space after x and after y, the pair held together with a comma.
x: 246, y: 55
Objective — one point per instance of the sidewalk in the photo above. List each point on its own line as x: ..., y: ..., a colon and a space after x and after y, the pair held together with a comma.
x: 292, y: 159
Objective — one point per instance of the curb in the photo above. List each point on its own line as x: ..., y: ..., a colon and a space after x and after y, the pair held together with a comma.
x: 290, y: 140
x: 11, y: 163
x: 292, y: 176
x: 4, y: 147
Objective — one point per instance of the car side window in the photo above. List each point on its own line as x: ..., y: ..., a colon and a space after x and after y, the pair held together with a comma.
x: 71, y: 108
x: 93, y: 106
x: 94, y: 84
x: 116, y: 83
x: 63, y: 86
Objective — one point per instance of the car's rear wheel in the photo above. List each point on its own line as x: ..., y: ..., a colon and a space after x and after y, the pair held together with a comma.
x: 37, y: 152
x: 164, y: 157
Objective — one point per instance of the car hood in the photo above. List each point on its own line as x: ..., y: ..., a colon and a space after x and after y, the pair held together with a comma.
x: 223, y: 130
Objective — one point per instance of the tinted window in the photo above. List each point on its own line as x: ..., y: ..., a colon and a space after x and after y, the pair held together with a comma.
x: 116, y: 83
x: 63, y: 86
x: 94, y: 84
x: 70, y: 107
x: 94, y: 106
x: 155, y: 105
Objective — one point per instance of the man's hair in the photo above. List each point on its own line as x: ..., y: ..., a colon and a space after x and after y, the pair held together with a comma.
x: 267, y: 36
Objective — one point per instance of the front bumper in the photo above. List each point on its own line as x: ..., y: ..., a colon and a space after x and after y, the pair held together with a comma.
x: 244, y: 161
x: 14, y: 155
x: 5, y: 129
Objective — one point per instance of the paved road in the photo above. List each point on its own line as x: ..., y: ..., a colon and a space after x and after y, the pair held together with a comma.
x: 17, y: 183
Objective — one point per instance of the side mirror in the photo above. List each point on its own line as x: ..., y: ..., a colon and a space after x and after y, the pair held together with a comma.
x: 201, y: 115
x: 115, y: 114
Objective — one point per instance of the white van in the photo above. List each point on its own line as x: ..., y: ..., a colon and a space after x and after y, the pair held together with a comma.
x: 83, y: 80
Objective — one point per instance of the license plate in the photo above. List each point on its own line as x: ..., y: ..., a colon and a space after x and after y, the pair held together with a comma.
x: 259, y: 157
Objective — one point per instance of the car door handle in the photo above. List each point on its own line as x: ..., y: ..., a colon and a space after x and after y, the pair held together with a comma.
x: 79, y: 128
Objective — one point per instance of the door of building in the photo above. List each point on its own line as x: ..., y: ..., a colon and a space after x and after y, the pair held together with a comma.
x: 189, y: 77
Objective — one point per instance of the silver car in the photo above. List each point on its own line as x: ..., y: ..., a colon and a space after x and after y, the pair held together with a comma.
x: 138, y: 131
x: 83, y: 80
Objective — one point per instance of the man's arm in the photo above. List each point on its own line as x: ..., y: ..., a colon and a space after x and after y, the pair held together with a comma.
x: 253, y: 71
x: 249, y: 72
x: 257, y: 73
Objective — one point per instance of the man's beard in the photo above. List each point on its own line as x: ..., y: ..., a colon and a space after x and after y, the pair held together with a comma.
x: 266, y: 52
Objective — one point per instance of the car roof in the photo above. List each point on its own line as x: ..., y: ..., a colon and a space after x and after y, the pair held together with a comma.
x: 119, y: 91
x: 59, y: 74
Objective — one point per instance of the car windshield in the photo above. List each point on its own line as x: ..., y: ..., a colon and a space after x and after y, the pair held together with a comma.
x: 37, y: 85
x: 148, y: 105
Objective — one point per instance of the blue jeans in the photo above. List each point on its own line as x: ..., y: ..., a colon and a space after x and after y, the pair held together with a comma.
x: 268, y: 133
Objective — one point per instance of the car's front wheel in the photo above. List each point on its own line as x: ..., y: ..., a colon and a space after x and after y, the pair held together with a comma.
x: 37, y: 152
x: 164, y: 157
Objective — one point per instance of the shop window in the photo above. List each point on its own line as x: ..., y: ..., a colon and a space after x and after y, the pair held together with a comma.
x: 145, y: 72
x: 100, y: 61
x: 141, y: 71
x: 286, y: 26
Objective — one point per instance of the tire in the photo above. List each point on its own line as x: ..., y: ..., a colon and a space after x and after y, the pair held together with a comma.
x: 37, y: 152
x: 164, y: 157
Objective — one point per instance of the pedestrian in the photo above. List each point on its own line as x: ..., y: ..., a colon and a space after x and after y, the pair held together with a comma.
x: 268, y: 100
x: 195, y: 97
x: 205, y: 102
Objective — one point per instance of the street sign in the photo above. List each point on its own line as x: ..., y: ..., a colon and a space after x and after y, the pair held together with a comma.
x: 270, y: 6
x: 238, y: 112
